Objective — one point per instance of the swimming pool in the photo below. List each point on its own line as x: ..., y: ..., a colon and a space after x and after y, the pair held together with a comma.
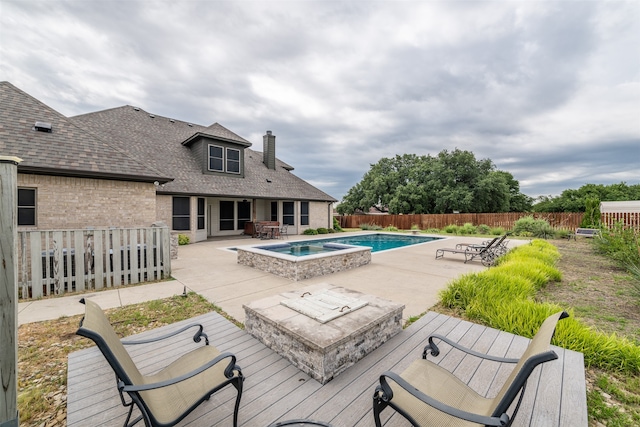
x: 303, y: 259
x: 377, y: 242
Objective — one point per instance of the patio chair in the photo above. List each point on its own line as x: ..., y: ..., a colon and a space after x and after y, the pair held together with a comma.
x: 427, y: 394
x: 283, y: 232
x: 166, y: 397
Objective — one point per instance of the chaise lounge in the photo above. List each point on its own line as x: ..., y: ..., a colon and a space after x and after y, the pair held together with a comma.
x: 470, y: 252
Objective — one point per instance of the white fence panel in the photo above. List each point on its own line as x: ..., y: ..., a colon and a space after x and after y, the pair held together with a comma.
x: 54, y: 262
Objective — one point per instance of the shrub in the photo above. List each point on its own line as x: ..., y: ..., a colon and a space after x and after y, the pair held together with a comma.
x: 503, y: 297
x: 390, y: 228
x: 452, y: 229
x: 366, y: 226
x: 183, y: 239
x: 529, y: 226
x: 467, y: 228
x: 336, y: 224
x: 497, y: 231
x: 591, y: 218
x: 331, y: 230
x: 415, y: 227
x: 562, y: 234
x: 484, y: 229
x: 322, y: 230
x: 310, y: 232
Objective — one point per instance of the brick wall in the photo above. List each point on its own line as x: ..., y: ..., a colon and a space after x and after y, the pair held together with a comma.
x: 66, y: 203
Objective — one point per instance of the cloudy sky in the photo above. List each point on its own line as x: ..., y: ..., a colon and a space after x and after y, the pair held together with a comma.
x: 548, y: 90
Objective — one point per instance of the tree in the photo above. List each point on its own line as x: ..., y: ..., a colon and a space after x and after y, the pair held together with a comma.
x: 571, y: 200
x: 450, y: 181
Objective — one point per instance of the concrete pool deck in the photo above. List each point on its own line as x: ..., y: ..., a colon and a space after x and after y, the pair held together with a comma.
x: 410, y: 276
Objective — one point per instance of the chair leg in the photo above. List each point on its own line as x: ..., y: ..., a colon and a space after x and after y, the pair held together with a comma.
x: 238, y: 385
x: 378, y: 406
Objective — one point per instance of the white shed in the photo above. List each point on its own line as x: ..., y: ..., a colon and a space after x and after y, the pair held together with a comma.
x: 626, y: 213
x: 631, y: 206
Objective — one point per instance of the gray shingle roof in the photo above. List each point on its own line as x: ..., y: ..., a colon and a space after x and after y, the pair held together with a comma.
x: 68, y: 150
x: 158, y: 141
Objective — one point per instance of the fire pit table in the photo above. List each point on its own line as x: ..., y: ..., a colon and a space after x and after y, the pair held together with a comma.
x: 323, y: 329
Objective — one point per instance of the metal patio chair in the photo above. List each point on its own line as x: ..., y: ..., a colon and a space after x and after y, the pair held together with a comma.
x: 429, y: 395
x: 169, y: 395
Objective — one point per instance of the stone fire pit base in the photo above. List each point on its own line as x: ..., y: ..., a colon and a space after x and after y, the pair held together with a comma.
x: 323, y: 350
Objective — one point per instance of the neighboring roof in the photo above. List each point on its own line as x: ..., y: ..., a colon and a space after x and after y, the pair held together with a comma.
x: 163, y: 144
x: 620, y: 207
x: 67, y: 150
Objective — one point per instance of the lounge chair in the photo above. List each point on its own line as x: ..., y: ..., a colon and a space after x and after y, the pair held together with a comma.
x: 427, y: 394
x: 470, y: 252
x: 169, y: 395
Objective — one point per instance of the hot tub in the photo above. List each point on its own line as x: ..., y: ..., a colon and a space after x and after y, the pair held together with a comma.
x: 299, y: 263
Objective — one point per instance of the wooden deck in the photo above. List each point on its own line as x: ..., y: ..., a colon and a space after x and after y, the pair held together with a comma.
x: 275, y: 390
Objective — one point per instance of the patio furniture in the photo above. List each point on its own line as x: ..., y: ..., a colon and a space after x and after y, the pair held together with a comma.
x: 470, y: 252
x: 585, y: 232
x: 300, y: 423
x: 169, y: 395
x: 284, y: 232
x: 427, y: 394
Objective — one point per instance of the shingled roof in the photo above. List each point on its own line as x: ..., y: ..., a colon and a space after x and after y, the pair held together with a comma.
x: 164, y: 144
x: 67, y: 150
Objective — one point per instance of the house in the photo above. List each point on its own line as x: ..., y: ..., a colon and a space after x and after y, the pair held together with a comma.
x: 125, y: 167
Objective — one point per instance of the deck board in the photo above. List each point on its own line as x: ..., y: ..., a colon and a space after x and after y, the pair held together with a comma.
x: 275, y: 390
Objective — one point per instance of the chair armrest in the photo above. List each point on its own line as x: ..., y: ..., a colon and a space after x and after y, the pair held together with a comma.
x: 228, y: 372
x: 387, y: 396
x: 196, y: 338
x: 436, y: 351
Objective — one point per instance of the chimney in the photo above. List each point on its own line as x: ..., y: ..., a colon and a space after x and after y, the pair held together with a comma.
x: 269, y: 150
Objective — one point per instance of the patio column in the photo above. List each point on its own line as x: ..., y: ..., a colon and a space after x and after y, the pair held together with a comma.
x: 8, y: 291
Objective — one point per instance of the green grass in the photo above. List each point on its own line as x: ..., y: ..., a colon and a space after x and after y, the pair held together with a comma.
x: 503, y: 298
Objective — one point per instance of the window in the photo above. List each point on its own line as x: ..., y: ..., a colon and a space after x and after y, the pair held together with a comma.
x: 226, y: 215
x: 233, y: 160
x: 287, y: 213
x: 216, y: 158
x: 274, y: 211
x: 244, y: 214
x: 181, y: 213
x: 223, y: 159
x: 200, y: 213
x: 304, y: 213
x: 26, y: 206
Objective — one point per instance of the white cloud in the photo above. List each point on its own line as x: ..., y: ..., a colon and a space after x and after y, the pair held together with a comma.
x: 342, y: 84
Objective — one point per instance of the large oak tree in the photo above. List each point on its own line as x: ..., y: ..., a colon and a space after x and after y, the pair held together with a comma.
x: 450, y: 181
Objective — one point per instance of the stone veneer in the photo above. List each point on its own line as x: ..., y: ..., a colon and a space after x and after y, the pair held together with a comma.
x: 304, y: 267
x: 323, y: 350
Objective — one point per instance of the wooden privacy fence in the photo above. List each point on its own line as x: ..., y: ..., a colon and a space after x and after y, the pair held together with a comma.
x: 53, y: 262
x: 557, y: 220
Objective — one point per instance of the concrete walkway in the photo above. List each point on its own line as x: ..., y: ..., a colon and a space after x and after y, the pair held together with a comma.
x: 411, y: 276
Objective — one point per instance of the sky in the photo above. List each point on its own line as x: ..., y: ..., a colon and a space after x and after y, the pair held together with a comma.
x: 548, y: 90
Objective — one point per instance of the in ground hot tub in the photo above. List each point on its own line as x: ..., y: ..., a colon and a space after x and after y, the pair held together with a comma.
x: 303, y: 262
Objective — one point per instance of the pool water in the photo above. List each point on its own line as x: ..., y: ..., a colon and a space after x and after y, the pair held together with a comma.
x: 377, y: 242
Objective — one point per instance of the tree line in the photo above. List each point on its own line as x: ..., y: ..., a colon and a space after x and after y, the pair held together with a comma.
x: 455, y: 181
